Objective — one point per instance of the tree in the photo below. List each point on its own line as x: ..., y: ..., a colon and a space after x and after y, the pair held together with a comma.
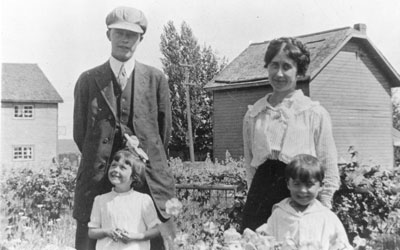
x: 183, y: 48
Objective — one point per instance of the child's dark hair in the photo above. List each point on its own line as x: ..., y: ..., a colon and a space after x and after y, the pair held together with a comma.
x: 305, y: 167
x: 138, y: 166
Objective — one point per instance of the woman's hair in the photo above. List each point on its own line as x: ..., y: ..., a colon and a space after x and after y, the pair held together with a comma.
x: 138, y: 166
x: 305, y: 167
x: 293, y: 48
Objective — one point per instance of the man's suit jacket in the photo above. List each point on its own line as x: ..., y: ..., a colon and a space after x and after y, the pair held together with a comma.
x: 94, y: 128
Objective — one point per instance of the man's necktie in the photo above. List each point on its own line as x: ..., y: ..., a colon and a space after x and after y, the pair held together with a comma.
x: 122, y: 77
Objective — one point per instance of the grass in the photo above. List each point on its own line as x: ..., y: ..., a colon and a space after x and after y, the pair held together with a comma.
x: 55, y: 235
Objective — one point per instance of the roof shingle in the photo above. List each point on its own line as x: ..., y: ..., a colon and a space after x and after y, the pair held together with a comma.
x: 249, y: 65
x: 22, y: 82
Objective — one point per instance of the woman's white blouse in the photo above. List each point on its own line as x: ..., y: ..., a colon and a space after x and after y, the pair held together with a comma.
x: 297, y: 125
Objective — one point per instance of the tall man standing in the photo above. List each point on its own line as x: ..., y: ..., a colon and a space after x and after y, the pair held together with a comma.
x: 121, y: 96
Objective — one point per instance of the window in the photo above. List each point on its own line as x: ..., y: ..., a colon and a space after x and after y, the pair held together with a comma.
x: 21, y: 153
x: 23, y: 111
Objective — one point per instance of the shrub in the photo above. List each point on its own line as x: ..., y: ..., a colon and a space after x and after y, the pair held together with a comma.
x: 368, y: 201
x: 39, y: 197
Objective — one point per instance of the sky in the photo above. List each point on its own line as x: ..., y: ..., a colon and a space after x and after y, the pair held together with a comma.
x: 67, y: 37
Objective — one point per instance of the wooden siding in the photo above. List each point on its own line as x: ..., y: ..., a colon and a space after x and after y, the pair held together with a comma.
x: 356, y: 94
x: 230, y: 106
x: 40, y: 132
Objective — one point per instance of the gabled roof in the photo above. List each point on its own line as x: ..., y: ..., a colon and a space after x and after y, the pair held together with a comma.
x: 248, y: 68
x: 22, y: 82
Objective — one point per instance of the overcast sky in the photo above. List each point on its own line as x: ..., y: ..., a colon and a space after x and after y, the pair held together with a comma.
x: 67, y: 37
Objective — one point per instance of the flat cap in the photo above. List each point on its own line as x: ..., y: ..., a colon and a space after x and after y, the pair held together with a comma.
x: 127, y: 18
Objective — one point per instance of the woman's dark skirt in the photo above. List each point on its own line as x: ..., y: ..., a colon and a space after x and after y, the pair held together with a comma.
x: 267, y: 188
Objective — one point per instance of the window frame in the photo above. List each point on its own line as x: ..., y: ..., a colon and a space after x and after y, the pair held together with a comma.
x: 24, y: 111
x: 23, y: 154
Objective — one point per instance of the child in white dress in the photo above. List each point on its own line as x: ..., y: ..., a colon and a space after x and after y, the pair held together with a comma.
x: 124, y: 219
x: 301, y: 218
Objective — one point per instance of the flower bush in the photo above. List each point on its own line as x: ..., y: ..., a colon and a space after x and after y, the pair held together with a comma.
x: 36, y: 206
x: 368, y: 201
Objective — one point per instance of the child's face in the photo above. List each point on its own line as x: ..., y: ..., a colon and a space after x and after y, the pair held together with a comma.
x: 120, y: 174
x: 304, y: 193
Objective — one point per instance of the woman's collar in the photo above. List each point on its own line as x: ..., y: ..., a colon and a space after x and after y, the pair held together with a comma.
x: 297, y: 103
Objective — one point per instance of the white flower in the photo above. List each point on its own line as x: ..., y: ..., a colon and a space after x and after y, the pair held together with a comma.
x: 201, y: 245
x: 235, y: 246
x: 173, y: 207
x: 181, y: 239
x: 210, y: 227
x: 250, y: 236
x: 231, y: 235
x: 360, y: 242
x: 24, y: 218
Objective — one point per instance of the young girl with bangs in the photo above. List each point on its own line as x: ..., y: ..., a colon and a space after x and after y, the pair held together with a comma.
x: 124, y: 219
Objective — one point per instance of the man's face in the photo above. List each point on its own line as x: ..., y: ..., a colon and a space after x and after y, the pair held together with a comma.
x: 123, y: 43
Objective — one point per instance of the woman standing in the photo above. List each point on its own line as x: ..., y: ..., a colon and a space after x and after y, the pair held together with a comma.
x: 281, y: 125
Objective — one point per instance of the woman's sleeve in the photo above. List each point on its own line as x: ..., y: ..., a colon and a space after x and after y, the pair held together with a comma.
x: 248, y: 156
x: 327, y: 154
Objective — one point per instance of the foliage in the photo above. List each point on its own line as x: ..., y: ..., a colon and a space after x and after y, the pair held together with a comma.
x: 182, y: 48
x: 368, y: 201
x: 37, y: 205
x: 226, y: 172
x: 59, y: 234
x: 396, y: 108
x: 34, y: 199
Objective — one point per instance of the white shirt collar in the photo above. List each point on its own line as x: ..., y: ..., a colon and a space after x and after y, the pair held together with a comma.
x: 116, y: 65
x: 298, y: 102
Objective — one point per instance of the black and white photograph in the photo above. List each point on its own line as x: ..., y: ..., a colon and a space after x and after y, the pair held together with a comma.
x: 200, y: 125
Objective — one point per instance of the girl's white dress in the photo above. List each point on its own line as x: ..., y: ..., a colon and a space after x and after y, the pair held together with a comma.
x: 130, y: 211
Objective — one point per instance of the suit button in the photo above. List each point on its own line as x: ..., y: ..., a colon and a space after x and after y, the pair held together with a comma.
x: 106, y: 140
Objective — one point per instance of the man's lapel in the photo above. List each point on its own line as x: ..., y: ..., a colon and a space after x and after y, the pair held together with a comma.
x: 105, y: 84
x: 139, y: 85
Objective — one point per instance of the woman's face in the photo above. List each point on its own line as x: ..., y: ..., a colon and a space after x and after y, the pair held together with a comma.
x: 282, y: 72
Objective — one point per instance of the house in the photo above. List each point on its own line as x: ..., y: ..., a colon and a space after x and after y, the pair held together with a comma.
x: 348, y: 75
x: 29, y: 117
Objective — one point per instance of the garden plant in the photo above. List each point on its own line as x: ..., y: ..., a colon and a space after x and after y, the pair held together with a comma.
x: 36, y: 212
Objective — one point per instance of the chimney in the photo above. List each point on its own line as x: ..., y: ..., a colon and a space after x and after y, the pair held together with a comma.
x: 361, y: 27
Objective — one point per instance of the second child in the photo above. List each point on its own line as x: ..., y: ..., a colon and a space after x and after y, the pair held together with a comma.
x: 301, y: 218
x: 124, y: 218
